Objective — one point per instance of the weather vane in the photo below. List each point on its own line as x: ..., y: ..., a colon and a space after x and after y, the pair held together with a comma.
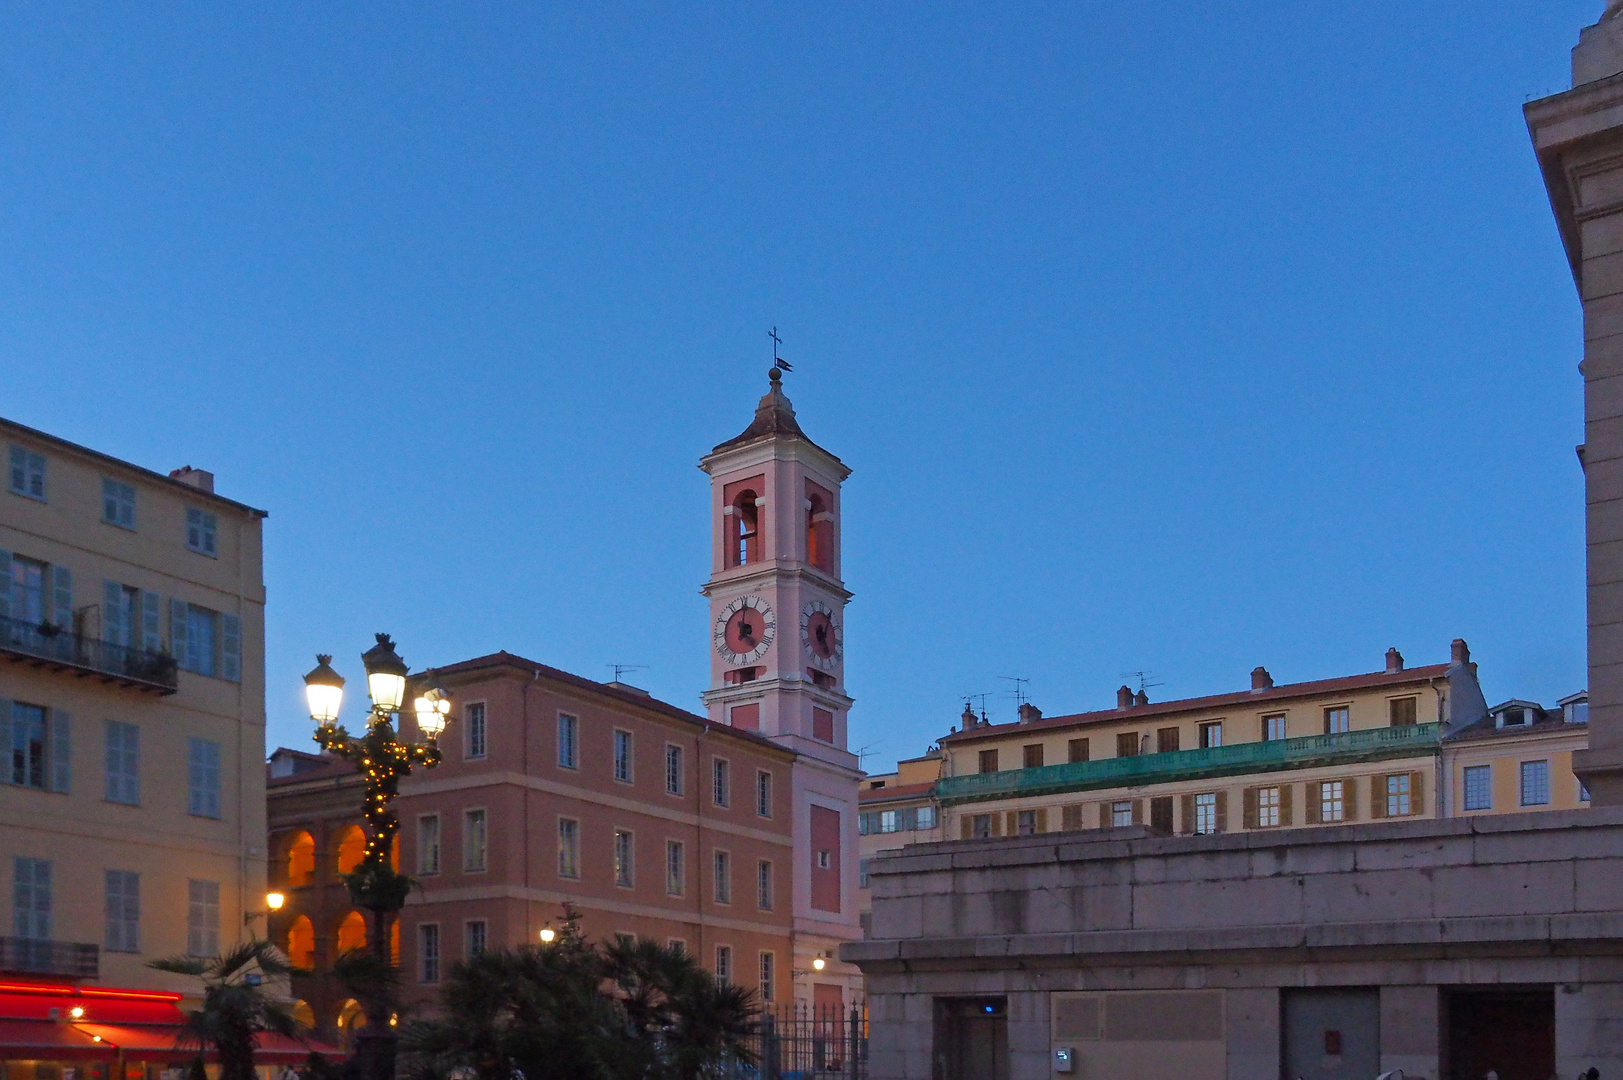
x: 778, y: 361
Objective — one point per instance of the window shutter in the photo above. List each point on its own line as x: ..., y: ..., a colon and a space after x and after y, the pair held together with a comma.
x: 1071, y: 818
x: 1186, y: 814
x: 1285, y: 804
x: 177, y: 630
x: 1011, y: 826
x: 62, y: 597
x: 1417, y: 794
x: 1222, y: 811
x: 1311, y: 812
x: 1350, y: 798
x: 61, y: 751
x: 112, y: 604
x: 231, y: 648
x: 965, y: 824
x: 1138, y: 811
x: 151, y: 617
x: 5, y: 587
x: 1042, y: 820
x: 6, y: 765
x: 1248, y: 808
x: 1377, y: 797
x: 997, y: 823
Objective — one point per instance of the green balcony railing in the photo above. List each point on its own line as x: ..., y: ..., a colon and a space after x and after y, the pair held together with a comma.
x: 1375, y: 744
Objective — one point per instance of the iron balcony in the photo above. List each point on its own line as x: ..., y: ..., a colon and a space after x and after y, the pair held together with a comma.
x: 48, y: 645
x: 37, y: 956
x: 1276, y: 755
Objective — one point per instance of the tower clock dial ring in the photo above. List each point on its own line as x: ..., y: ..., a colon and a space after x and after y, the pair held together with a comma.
x: 824, y: 641
x: 744, y: 630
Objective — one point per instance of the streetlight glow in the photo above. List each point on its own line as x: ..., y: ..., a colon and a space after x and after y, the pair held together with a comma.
x: 324, y: 690
x: 547, y: 934
x: 275, y: 900
x: 817, y: 964
x: 432, y: 708
x: 385, y: 675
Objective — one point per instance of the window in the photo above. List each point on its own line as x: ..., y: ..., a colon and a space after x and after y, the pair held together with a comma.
x: 1332, y: 800
x: 763, y: 794
x: 123, y: 911
x: 1479, y: 787
x: 203, y: 918
x: 202, y: 778
x: 988, y: 761
x: 1267, y: 807
x: 981, y: 826
x: 30, y: 600
x: 201, y: 528
x: 675, y: 868
x: 568, y: 728
x: 475, y: 933
x: 1337, y: 720
x: 724, y: 963
x: 1076, y: 750
x: 428, y: 844
x: 1032, y: 756
x: 205, y: 642
x: 825, y: 859
x: 123, y: 763
x: 1127, y: 744
x: 121, y: 614
x: 718, y: 782
x: 822, y: 720
x: 763, y: 885
x: 1025, y: 823
x: 673, y: 770
x: 473, y: 841
x: 1211, y: 735
x: 622, y: 756
x: 27, y: 473
x: 864, y: 824
x: 889, y: 821
x: 1402, y: 711
x: 862, y: 873
x: 1121, y: 813
x: 473, y: 717
x: 724, y: 877
x: 428, y: 952
x: 1166, y: 740
x: 1535, y: 783
x: 743, y: 522
x: 31, y: 898
x: 1273, y: 727
x: 1397, y: 795
x: 1206, y: 813
x: 28, y: 748
x: 622, y: 858
x: 766, y: 977
x: 924, y: 818
x: 568, y: 848
x: 117, y: 503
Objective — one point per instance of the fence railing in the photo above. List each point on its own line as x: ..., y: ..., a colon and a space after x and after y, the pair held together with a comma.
x: 35, y: 956
x: 810, y: 1042
x: 52, y: 644
x: 1373, y: 744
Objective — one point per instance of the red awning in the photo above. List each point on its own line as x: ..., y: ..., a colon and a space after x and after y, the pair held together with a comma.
x: 274, y: 1049
x: 157, y: 1042
x: 44, y: 1040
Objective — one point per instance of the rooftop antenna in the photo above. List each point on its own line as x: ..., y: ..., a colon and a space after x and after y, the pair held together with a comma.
x: 778, y: 361
x: 621, y: 669
x: 1019, y: 691
x: 862, y: 756
x: 1144, y: 679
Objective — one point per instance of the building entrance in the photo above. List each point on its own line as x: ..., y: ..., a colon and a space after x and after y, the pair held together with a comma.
x: 971, y: 1039
x: 1333, y: 1034
x: 1510, y: 1032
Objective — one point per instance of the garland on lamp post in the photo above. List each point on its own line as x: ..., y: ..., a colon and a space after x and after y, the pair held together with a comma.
x: 382, y: 760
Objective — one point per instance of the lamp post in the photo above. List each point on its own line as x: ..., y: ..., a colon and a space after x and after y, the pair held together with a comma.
x: 382, y: 760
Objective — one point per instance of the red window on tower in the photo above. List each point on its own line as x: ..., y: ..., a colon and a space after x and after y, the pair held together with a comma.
x: 825, y: 856
x: 819, y: 528
x: 743, y: 525
x: 822, y: 725
x: 747, y: 717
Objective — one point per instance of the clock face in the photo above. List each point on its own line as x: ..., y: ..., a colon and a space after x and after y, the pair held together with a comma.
x: 744, y: 630
x: 821, y: 634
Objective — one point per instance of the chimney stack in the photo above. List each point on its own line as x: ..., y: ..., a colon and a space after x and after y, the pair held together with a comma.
x: 1140, y: 699
x: 968, y: 718
x: 1124, y: 698
x: 1394, y: 659
x: 1459, y: 652
x: 1260, y: 679
x: 1029, y: 712
x: 201, y: 479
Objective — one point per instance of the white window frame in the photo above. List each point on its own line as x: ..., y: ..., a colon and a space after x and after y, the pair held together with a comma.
x: 673, y: 769
x: 430, y: 840
x: 625, y: 859
x: 202, y: 532
x: 676, y: 868
x: 763, y: 793
x: 475, y: 840
x: 1268, y: 727
x: 1211, y: 730
x: 721, y: 876
x: 27, y: 473
x: 476, y: 743
x: 625, y: 750
x: 925, y: 818
x: 118, y: 497
x: 1268, y: 811
x: 568, y: 741
x: 724, y: 964
x: 1337, y: 801
x: 1205, y: 813
x: 1485, y: 771
x: 1399, y: 797
x: 766, y: 973
x: 1544, y: 774
x: 469, y: 949
x: 765, y: 886
x: 429, y: 955
x: 721, y: 782
x: 1118, y: 808
x: 569, y: 848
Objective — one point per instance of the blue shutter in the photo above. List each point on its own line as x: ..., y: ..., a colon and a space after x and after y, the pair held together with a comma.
x: 6, y: 763
x: 231, y: 648
x: 5, y: 586
x: 151, y: 617
x: 114, y: 627
x: 62, y: 597
x: 177, y: 632
x: 60, y: 737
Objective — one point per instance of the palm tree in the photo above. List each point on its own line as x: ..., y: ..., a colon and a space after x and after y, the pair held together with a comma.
x: 235, y: 1005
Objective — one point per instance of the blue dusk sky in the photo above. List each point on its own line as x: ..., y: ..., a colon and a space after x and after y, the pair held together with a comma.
x: 1170, y: 337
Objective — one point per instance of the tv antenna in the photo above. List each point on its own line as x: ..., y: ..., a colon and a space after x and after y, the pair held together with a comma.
x: 862, y: 756
x: 621, y: 669
x: 778, y: 361
x: 1144, y: 679
x: 1019, y: 690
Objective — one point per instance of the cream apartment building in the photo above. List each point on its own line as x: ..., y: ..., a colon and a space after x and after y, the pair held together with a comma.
x: 895, y: 809
x: 131, y: 715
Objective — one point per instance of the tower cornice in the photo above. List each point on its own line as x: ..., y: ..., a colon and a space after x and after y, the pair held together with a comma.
x: 766, y: 573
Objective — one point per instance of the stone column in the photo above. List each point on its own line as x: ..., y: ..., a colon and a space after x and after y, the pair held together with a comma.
x: 1578, y: 137
x: 1410, y: 1029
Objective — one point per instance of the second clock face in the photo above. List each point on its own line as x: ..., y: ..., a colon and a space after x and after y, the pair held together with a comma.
x: 744, y: 630
x: 821, y: 634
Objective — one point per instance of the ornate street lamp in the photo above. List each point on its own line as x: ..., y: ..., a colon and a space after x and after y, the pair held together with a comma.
x: 382, y: 760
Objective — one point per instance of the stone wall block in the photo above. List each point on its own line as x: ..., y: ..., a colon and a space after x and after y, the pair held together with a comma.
x: 1502, y: 889
x: 1603, y: 318
x: 1251, y: 1031
x: 901, y: 917
x: 1278, y: 859
x: 1107, y: 907
x: 1414, y: 855
x: 1603, y: 276
x: 1589, y: 1029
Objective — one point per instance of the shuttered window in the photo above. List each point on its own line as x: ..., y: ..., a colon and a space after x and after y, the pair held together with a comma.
x: 201, y: 532
x: 27, y: 473
x: 117, y: 503
x: 1402, y: 711
x: 203, y: 918
x: 1127, y: 744
x: 988, y: 761
x: 202, y: 778
x: 1076, y: 750
x: 1032, y: 756
x: 1206, y: 813
x: 123, y: 759
x: 123, y: 911
x: 31, y: 898
x: 1166, y: 740
x: 1071, y: 818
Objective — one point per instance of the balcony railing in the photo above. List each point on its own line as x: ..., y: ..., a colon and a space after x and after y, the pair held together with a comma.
x: 33, y: 956
x: 1374, y: 744
x: 50, y: 645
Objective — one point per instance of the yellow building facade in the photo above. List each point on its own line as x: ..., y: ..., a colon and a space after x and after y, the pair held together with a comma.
x: 132, y: 786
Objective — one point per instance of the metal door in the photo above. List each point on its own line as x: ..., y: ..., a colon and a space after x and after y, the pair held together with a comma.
x: 1332, y: 1034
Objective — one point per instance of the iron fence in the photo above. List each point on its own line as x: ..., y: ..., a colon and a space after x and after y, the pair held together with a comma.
x: 812, y: 1042
x: 57, y: 645
x: 36, y: 956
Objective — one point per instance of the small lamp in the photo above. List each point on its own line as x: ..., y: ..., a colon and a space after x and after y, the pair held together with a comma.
x: 324, y: 690
x: 547, y: 934
x: 385, y: 675
x: 432, y: 709
x: 818, y: 963
x: 274, y: 901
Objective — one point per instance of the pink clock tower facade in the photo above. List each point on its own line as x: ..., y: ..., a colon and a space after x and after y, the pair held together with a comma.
x: 777, y: 662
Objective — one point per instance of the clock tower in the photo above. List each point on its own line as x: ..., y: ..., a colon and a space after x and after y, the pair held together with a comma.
x: 777, y: 660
